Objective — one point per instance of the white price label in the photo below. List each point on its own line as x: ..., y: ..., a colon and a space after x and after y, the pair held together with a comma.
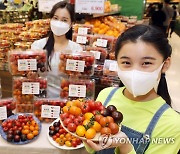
x: 75, y: 65
x: 101, y: 43
x: 49, y: 111
x: 77, y: 90
x: 27, y: 64
x: 30, y: 88
x: 89, y: 6
x: 113, y: 66
x: 46, y: 5
x: 82, y: 31
x: 81, y: 39
x: 3, y: 113
x: 97, y: 54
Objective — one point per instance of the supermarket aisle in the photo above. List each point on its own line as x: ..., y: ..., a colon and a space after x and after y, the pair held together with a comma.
x: 173, y: 74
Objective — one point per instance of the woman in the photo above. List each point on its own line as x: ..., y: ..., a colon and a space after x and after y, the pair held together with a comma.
x: 62, y: 18
x: 143, y: 56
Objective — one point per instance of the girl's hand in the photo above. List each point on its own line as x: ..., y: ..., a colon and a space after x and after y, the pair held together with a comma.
x: 112, y: 141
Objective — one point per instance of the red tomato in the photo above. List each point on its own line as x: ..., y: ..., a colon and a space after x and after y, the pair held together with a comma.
x: 98, y: 117
x: 114, y: 128
x: 71, y: 127
x: 67, y: 121
x: 98, y: 105
x: 105, y: 130
x: 85, y: 108
x: 78, y: 141
x: 74, y: 143
x: 63, y: 116
x: 91, y: 104
x: 72, y: 117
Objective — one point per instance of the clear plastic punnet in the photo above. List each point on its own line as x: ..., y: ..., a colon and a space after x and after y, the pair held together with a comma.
x: 47, y: 110
x: 28, y: 61
x: 103, y: 41
x: 82, y: 39
x: 100, y: 54
x: 110, y: 68
x: 83, y: 29
x: 26, y: 90
x: 74, y: 88
x: 77, y: 64
x: 7, y: 107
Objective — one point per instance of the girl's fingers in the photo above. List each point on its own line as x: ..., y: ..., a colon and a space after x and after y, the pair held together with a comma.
x: 93, y: 145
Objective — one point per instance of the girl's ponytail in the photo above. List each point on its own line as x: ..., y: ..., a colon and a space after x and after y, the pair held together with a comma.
x: 163, y: 89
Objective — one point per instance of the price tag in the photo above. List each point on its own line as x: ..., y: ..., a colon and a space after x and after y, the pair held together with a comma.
x: 27, y: 64
x: 89, y: 6
x: 101, y: 43
x: 3, y: 113
x: 30, y: 88
x: 48, y: 111
x: 82, y: 31
x: 113, y: 66
x: 97, y: 54
x: 81, y: 39
x: 46, y: 5
x: 77, y: 90
x: 75, y: 65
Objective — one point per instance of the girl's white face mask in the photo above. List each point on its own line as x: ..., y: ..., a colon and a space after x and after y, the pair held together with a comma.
x: 137, y: 82
x: 59, y: 28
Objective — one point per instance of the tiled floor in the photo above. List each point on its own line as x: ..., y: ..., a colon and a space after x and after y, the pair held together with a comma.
x: 173, y: 74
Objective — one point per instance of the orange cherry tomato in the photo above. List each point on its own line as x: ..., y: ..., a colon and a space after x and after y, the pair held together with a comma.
x: 90, y: 133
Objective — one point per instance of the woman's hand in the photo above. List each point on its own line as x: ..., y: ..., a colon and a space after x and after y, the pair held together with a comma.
x: 112, y: 141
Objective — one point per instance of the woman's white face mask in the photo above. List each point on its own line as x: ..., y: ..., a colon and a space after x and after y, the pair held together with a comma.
x: 59, y: 28
x: 137, y: 82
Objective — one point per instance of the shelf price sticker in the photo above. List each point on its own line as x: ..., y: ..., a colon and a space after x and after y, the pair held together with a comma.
x: 101, y: 43
x: 81, y: 39
x: 3, y: 113
x: 97, y: 54
x: 75, y: 65
x: 113, y: 66
x: 77, y: 90
x: 89, y: 6
x: 49, y: 111
x: 30, y: 88
x: 82, y: 31
x: 27, y: 64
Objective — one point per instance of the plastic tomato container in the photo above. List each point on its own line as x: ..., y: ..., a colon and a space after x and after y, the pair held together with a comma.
x: 78, y: 64
x: 103, y: 41
x: 7, y: 105
x: 110, y: 81
x: 110, y: 68
x: 112, y: 56
x: 77, y: 88
x: 100, y: 54
x: 98, y: 70
x: 25, y: 90
x: 52, y: 105
x: 82, y: 39
x: 24, y: 62
x: 83, y: 29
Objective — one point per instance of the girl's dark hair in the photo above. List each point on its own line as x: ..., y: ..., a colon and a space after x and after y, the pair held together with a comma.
x: 50, y: 42
x: 157, y: 38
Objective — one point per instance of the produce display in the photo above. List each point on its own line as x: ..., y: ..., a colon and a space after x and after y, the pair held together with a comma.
x: 60, y: 138
x: 90, y: 119
x: 22, y: 45
x: 78, y: 64
x: 100, y: 54
x: 38, y: 103
x: 25, y: 62
x: 24, y: 91
x: 110, y: 68
x: 77, y: 88
x: 20, y: 129
x: 9, y: 104
x: 109, y: 26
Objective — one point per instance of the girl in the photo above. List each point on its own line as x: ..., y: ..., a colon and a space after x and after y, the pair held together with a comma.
x: 62, y: 17
x: 143, y: 56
